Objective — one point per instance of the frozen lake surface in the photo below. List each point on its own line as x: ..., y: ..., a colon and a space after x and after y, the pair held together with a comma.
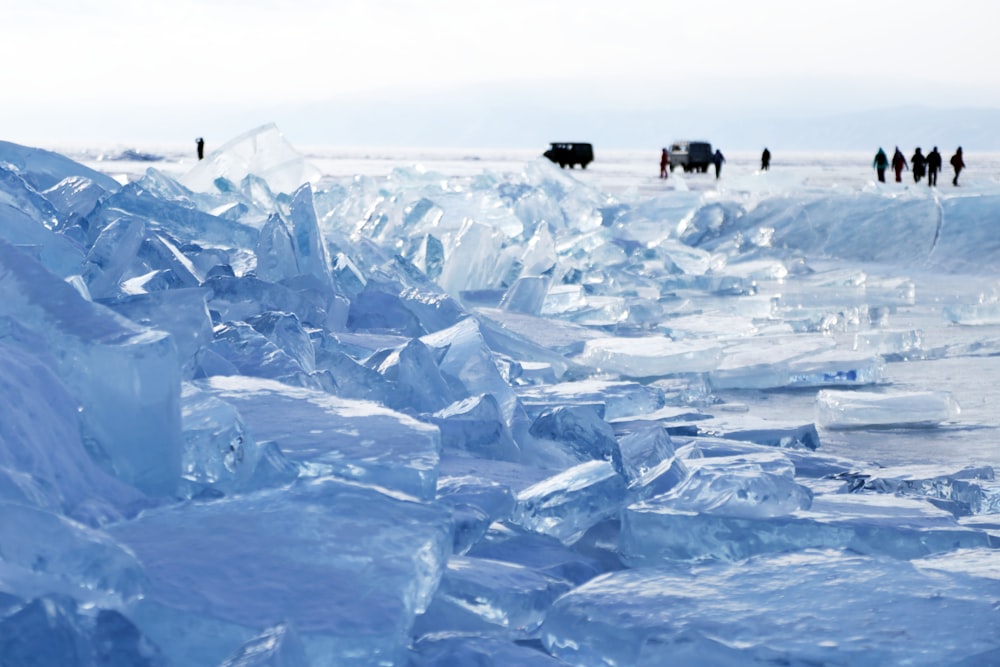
x: 321, y: 406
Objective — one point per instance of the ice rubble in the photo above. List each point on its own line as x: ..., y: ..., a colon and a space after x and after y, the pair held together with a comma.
x: 257, y: 417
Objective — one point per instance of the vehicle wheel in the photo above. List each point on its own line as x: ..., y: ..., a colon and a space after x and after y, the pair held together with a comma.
x: 562, y: 165
x: 583, y: 165
x: 671, y: 168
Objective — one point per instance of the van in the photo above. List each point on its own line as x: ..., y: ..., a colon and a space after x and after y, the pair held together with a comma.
x: 691, y: 155
x: 565, y: 153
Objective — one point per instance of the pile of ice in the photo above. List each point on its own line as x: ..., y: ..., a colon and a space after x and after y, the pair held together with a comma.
x: 422, y: 420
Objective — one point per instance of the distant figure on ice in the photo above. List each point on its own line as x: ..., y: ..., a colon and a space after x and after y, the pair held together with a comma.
x: 765, y: 160
x: 958, y: 163
x: 881, y: 163
x: 664, y: 163
x: 919, y: 164
x: 717, y: 160
x: 933, y: 167
x: 898, y: 164
x: 201, y: 148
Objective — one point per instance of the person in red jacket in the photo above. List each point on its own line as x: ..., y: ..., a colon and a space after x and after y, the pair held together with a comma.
x: 664, y: 163
x: 898, y: 164
x: 958, y: 164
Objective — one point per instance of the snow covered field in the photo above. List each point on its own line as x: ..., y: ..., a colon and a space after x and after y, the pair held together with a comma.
x: 464, y: 407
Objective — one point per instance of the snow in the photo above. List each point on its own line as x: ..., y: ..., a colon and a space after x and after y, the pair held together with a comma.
x: 319, y: 407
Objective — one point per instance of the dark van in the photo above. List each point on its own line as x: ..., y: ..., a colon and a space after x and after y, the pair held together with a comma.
x: 570, y: 154
x: 691, y: 155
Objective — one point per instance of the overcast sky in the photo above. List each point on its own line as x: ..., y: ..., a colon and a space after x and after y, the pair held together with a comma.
x: 108, y: 61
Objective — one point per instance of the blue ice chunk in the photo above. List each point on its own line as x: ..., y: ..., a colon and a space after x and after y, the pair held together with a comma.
x: 796, y: 608
x: 351, y: 439
x: 526, y: 295
x: 275, y: 250
x: 662, y: 478
x: 125, y: 377
x: 512, y: 544
x: 490, y: 596
x: 119, y: 643
x: 254, y: 354
x: 186, y: 224
x: 46, y: 552
x: 45, y: 463
x: 287, y: 333
x: 278, y: 646
x: 744, y: 489
x: 620, y: 399
x: 582, y: 431
x: 566, y: 505
x: 434, y: 310
x: 803, y: 436
x: 219, y: 452
x: 476, y: 503
x: 349, y: 567
x: 413, y: 371
x: 642, y: 449
x: 180, y: 312
x: 42, y: 169
x: 112, y: 256
x: 28, y: 221
x: 961, y: 492
x: 872, y: 524
x: 468, y: 360
x: 476, y: 425
x: 427, y: 254
x: 239, y: 299
x: 45, y: 631
x: 446, y: 649
x: 20, y: 198
x: 310, y: 248
x: 378, y: 311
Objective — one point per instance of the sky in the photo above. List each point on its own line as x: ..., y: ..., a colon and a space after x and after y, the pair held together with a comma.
x: 103, y: 69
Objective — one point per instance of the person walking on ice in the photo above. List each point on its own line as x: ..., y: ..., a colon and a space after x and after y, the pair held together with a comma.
x: 958, y: 164
x: 898, y: 164
x: 765, y: 160
x: 933, y: 167
x: 664, y: 163
x: 881, y: 163
x: 717, y: 160
x: 919, y: 164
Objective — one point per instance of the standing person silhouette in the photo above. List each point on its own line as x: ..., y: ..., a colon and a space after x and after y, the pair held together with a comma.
x: 933, y: 167
x: 717, y: 160
x: 919, y: 164
x: 664, y: 163
x: 898, y: 164
x: 958, y: 164
x: 881, y: 163
x: 201, y: 148
x: 765, y: 160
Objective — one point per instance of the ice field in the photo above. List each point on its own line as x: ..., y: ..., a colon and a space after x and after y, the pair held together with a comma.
x: 313, y: 406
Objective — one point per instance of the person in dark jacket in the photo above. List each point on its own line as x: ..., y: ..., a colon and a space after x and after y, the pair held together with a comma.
x: 958, y: 164
x: 933, y: 167
x: 765, y: 160
x: 898, y: 164
x: 201, y: 147
x: 664, y: 163
x: 881, y: 163
x: 717, y: 160
x: 919, y: 164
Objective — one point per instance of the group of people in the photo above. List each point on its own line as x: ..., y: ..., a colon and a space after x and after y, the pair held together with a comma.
x: 929, y: 164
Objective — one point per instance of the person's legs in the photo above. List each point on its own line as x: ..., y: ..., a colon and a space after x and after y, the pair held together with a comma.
x: 881, y: 175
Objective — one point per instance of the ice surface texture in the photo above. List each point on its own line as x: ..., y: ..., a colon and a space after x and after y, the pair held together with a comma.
x: 257, y: 415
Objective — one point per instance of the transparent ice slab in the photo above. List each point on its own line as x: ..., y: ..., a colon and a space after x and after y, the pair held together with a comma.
x: 858, y: 409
